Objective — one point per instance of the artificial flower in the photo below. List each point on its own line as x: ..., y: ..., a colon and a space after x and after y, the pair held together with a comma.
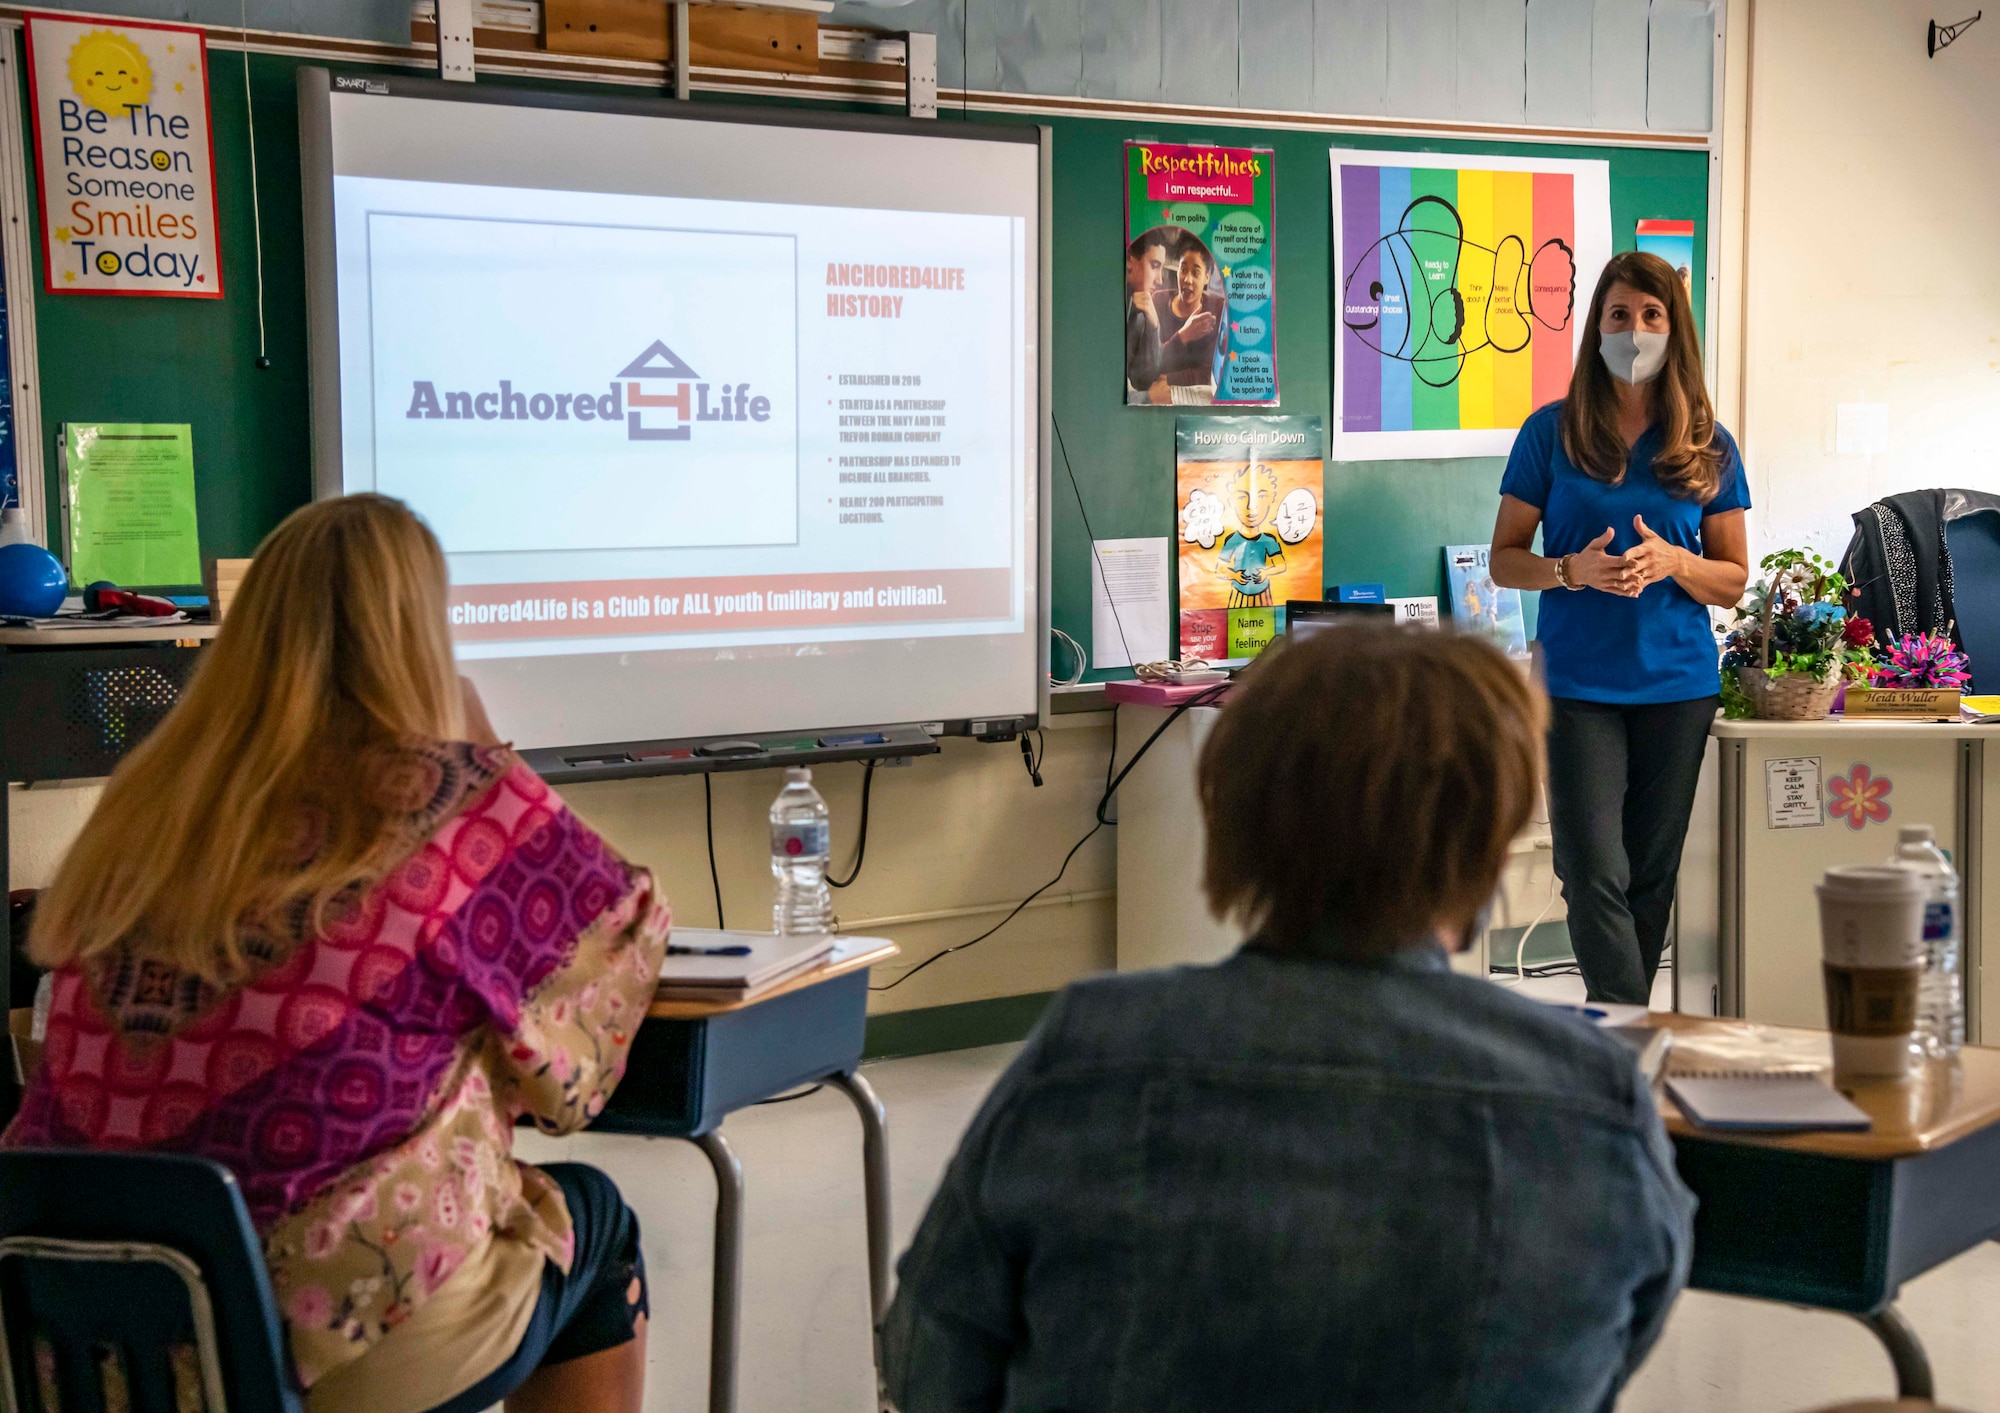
x: 1924, y: 660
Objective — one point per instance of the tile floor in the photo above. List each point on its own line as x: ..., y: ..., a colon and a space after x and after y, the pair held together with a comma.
x: 805, y: 1326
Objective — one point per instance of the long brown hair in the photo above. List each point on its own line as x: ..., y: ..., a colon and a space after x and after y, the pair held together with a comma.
x: 1396, y: 763
x: 335, y: 648
x: 1689, y: 462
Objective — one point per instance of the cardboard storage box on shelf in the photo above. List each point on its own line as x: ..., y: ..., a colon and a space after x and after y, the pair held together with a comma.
x: 222, y: 578
x: 763, y: 38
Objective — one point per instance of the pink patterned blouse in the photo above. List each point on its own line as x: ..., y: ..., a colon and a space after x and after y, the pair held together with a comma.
x: 363, y: 1084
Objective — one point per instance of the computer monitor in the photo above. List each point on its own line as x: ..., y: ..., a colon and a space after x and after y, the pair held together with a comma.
x: 1305, y: 617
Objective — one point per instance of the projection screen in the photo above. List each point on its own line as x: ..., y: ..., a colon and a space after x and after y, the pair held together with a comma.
x: 729, y: 421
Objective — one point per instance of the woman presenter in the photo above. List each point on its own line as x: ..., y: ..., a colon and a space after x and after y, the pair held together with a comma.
x: 1639, y: 495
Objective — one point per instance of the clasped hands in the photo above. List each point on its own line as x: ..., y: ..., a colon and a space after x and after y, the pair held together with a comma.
x: 1627, y: 574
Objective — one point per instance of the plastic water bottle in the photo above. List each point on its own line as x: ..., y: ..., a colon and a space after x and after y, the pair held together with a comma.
x: 801, y: 841
x: 1941, y: 995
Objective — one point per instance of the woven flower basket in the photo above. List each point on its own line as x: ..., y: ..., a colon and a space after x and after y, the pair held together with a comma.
x: 1793, y: 697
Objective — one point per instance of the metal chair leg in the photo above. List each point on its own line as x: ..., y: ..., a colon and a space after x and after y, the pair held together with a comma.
x: 1906, y: 1351
x: 727, y: 1295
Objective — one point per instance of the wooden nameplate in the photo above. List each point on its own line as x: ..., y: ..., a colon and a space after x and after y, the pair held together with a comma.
x: 1902, y: 703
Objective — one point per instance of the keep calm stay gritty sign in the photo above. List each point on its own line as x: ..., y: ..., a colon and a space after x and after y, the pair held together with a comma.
x: 125, y: 163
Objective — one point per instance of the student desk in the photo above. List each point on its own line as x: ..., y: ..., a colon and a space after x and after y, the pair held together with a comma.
x: 1839, y: 1221
x: 695, y: 1062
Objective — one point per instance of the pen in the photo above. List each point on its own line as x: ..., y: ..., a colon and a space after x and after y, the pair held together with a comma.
x: 736, y: 950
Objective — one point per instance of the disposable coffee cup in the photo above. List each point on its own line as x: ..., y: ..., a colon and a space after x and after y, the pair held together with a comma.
x: 1871, y: 922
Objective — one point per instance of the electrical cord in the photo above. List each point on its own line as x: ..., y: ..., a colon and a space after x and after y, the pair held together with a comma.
x: 960, y: 947
x: 708, y: 813
x: 861, y: 841
x: 1540, y: 972
x: 256, y: 208
x: 1174, y: 671
x: 1112, y: 759
x: 1206, y: 698
x: 1111, y: 783
x: 1117, y: 618
x: 1521, y: 947
x: 1032, y: 753
x: 1076, y: 651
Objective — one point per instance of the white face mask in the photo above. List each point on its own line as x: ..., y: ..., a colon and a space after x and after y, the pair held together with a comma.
x: 1634, y: 357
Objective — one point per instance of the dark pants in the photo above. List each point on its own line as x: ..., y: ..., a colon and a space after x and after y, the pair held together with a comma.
x: 587, y: 1311
x: 1621, y: 788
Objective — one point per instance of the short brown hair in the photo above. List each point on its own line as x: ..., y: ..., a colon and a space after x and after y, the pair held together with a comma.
x: 1689, y: 461
x: 1362, y: 786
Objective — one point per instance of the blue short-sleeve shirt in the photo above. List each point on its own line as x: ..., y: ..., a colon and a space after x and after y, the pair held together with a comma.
x: 1600, y: 647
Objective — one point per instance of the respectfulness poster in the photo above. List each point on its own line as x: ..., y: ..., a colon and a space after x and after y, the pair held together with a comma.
x: 124, y: 161
x: 1250, y: 491
x: 1201, y: 294
x: 1461, y: 291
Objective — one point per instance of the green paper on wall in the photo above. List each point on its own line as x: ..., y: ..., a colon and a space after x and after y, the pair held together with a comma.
x: 129, y: 492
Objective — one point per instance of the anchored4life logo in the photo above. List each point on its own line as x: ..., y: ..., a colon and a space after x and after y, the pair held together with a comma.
x: 657, y: 396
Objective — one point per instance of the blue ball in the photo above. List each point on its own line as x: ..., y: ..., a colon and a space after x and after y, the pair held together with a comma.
x: 32, y: 581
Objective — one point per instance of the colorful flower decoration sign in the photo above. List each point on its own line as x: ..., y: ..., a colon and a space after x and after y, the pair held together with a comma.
x: 1924, y: 660
x: 1860, y: 797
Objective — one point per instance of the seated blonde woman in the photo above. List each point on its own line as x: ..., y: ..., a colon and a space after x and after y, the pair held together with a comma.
x: 360, y: 939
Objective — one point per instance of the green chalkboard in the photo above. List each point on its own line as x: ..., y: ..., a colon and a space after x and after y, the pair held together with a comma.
x: 1386, y: 521
x: 168, y: 360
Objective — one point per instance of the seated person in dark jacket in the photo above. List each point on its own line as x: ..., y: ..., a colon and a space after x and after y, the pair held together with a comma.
x: 1329, y: 1172
x: 1190, y: 320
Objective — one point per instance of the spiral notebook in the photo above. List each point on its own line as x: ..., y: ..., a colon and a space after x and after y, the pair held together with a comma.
x: 1775, y: 1102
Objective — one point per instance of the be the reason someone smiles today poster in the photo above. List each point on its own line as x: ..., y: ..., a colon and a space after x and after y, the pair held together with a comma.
x: 124, y: 162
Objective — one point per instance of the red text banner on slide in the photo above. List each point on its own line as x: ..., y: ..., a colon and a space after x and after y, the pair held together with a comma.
x: 620, y: 607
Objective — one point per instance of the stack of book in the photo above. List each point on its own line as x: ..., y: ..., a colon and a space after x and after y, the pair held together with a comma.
x: 705, y: 965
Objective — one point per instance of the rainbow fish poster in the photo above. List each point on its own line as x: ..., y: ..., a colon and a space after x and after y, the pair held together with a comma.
x: 1461, y: 291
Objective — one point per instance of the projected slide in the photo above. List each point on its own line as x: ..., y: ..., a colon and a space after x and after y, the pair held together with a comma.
x: 642, y: 421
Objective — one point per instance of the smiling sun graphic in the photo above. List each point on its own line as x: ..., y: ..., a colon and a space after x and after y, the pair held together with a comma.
x: 109, y: 72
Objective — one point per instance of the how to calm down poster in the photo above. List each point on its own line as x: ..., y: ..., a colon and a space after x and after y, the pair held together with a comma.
x: 1249, y: 493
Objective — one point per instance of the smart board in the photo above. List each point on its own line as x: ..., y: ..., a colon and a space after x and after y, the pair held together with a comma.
x: 727, y: 422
